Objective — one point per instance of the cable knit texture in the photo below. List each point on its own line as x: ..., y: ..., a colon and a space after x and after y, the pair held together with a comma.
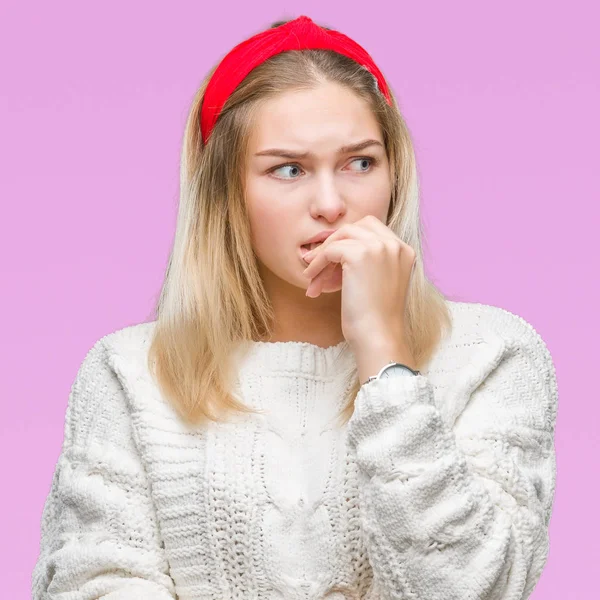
x: 440, y: 487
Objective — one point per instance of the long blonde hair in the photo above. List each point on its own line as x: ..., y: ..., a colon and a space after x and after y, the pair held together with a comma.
x: 212, y: 295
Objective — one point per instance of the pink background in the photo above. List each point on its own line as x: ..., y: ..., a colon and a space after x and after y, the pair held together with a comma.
x: 502, y: 102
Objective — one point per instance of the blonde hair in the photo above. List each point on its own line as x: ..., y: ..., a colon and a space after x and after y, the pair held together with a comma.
x: 212, y: 295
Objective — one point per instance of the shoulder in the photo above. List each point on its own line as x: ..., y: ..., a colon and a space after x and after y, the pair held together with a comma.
x: 136, y: 337
x: 129, y: 343
x: 97, y: 392
x: 496, y: 346
x: 486, y: 320
x: 130, y: 338
x: 97, y: 365
x: 474, y: 320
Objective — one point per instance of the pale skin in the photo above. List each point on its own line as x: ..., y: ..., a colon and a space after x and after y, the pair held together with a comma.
x: 360, y: 275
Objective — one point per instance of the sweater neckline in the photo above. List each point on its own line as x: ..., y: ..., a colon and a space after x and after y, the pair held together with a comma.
x: 290, y: 344
x: 299, y: 358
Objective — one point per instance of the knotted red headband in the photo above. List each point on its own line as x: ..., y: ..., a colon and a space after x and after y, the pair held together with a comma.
x: 300, y: 34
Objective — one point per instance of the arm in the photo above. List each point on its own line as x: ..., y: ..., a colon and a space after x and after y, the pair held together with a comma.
x: 99, y: 534
x: 460, y: 513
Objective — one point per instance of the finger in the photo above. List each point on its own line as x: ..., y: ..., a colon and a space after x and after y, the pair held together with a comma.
x: 318, y: 262
x: 373, y: 224
x: 338, y: 252
x: 354, y: 231
x: 315, y: 287
x: 350, y: 231
x: 334, y: 281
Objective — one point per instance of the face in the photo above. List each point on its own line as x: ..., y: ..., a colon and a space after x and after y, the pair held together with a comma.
x: 291, y: 198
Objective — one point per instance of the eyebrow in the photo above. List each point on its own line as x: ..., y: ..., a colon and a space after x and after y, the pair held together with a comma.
x: 296, y: 155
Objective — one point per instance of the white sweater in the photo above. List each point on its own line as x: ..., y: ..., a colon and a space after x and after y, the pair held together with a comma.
x: 439, y: 488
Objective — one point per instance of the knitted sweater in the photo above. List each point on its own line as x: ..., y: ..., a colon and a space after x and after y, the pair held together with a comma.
x: 440, y: 487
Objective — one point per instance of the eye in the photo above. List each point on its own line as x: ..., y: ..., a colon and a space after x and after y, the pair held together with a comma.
x: 371, y: 159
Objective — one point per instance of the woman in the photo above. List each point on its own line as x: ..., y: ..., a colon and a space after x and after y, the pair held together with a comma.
x: 294, y: 425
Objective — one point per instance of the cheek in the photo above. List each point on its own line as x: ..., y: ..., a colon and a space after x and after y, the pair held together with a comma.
x: 376, y: 206
x: 273, y: 231
x: 264, y: 219
x: 379, y: 200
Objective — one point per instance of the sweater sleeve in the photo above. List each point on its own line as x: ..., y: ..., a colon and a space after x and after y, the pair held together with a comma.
x: 461, y: 512
x: 99, y: 533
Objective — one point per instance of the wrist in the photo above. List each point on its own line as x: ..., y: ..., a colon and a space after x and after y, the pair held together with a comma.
x: 371, y: 358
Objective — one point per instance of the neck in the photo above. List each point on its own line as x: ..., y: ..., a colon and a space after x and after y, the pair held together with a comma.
x: 302, y: 319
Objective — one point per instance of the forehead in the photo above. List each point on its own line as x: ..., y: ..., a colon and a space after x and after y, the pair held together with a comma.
x: 313, y: 116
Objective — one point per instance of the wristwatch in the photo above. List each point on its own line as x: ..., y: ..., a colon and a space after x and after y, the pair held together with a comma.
x: 391, y: 370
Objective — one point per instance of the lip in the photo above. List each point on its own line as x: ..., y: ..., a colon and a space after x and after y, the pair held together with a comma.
x: 320, y: 237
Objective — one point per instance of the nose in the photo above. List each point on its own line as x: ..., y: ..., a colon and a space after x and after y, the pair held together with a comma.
x: 327, y: 201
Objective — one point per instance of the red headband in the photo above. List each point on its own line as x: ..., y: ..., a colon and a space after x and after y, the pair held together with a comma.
x: 300, y: 34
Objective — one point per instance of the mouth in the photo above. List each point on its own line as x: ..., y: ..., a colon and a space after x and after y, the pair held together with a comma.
x: 306, y: 248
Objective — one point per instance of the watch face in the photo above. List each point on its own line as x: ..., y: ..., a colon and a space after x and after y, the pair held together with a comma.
x: 394, y: 370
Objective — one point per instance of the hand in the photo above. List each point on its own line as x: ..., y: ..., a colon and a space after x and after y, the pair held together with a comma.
x: 375, y: 267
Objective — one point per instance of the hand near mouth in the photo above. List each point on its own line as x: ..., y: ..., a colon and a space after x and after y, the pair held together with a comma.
x: 372, y: 266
